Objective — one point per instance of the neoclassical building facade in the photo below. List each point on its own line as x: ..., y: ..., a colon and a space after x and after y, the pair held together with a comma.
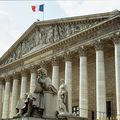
x: 83, y: 50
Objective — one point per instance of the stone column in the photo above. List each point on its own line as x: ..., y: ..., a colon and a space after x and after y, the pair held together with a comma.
x: 100, y: 80
x: 33, y: 78
x: 68, y: 79
x: 117, y: 71
x: 83, y: 88
x: 1, y: 96
x: 23, y: 83
x: 5, y: 113
x: 14, y: 95
x: 55, y: 73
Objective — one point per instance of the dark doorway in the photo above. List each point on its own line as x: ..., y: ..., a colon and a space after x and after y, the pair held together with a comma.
x: 108, y: 106
x: 93, y: 115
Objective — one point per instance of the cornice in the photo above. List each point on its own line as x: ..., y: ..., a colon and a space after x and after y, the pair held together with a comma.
x: 80, y: 18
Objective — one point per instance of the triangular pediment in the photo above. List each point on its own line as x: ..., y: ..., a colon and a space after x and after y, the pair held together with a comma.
x: 43, y: 33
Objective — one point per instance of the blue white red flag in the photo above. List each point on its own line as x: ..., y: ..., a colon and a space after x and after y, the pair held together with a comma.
x: 38, y: 8
x: 41, y: 8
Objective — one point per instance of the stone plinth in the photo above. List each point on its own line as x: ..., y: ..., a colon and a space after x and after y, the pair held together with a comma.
x: 50, y: 105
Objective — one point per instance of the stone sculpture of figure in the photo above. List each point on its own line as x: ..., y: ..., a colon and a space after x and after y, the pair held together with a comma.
x: 63, y: 99
x: 44, y: 82
x: 35, y: 100
x: 49, y: 38
x: 22, y: 105
x: 56, y: 33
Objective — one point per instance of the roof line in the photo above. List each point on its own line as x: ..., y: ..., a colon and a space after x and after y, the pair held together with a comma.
x: 54, y: 21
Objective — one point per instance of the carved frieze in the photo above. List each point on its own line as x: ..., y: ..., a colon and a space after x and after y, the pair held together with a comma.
x: 46, y: 35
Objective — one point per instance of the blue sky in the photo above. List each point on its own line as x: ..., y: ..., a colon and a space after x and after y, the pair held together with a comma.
x: 17, y: 16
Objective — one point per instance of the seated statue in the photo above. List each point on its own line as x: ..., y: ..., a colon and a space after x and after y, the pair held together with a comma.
x: 63, y: 99
x: 43, y: 84
x: 34, y: 104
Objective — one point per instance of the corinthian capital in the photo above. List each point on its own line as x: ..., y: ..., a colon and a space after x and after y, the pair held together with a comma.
x: 116, y: 38
x: 16, y: 75
x: 33, y: 69
x: 82, y: 51
x: 98, y: 45
x: 55, y: 61
x: 24, y: 72
x: 67, y: 56
x: 8, y: 78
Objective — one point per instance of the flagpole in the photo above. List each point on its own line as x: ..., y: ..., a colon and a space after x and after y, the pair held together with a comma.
x: 43, y: 15
x: 43, y: 11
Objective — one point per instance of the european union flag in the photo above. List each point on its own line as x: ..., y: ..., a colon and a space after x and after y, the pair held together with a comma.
x: 41, y: 7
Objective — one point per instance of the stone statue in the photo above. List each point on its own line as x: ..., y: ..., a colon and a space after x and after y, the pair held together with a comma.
x: 63, y: 99
x: 43, y: 84
x: 43, y: 35
x: 56, y: 33
x: 33, y: 104
x: 19, y: 51
x: 22, y: 106
x: 49, y: 38
x: 23, y: 47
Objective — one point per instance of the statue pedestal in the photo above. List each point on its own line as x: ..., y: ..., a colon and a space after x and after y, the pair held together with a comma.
x: 50, y: 105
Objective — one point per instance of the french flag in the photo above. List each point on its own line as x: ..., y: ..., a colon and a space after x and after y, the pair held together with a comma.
x: 38, y: 8
x: 33, y: 8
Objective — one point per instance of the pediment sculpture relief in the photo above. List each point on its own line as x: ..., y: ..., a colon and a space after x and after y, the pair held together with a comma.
x: 44, y: 35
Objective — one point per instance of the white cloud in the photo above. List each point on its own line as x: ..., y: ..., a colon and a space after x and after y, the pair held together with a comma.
x: 4, y: 13
x: 8, y: 32
x: 83, y: 7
